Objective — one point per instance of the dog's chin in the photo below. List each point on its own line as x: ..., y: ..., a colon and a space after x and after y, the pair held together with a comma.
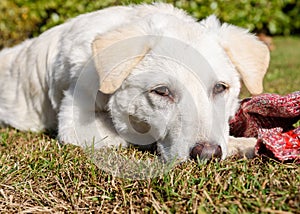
x: 168, y: 156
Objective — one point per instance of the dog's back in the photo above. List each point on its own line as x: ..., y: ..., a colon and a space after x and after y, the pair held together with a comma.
x: 24, y: 103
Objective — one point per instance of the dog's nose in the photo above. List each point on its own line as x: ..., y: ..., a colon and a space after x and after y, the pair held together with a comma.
x: 205, y: 150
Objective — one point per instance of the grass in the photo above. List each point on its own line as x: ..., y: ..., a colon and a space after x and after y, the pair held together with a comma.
x: 284, y: 73
x: 39, y: 175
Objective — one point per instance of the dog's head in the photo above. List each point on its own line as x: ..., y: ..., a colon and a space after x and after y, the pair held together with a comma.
x: 176, y: 82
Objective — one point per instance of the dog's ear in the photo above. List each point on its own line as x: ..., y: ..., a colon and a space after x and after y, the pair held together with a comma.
x: 115, y: 55
x: 250, y: 56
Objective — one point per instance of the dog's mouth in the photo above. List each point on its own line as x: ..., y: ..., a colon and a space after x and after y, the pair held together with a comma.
x: 201, y: 150
x: 205, y: 151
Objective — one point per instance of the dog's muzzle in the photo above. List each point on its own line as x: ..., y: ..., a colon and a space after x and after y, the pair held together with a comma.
x: 206, y: 150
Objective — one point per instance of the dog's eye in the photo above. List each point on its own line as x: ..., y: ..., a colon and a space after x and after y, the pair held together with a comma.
x: 162, y: 91
x: 220, y: 87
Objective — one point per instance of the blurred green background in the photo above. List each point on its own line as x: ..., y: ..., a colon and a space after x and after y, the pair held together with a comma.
x: 21, y: 19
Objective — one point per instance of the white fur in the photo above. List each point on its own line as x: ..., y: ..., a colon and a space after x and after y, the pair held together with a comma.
x: 40, y: 78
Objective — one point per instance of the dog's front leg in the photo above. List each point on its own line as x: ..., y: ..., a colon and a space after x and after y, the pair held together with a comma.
x: 80, y: 124
x: 241, y: 146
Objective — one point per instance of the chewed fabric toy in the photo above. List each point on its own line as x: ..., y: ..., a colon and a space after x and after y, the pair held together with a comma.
x: 270, y: 118
x: 284, y: 146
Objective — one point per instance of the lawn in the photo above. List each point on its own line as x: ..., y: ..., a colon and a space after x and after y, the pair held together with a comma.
x: 39, y: 175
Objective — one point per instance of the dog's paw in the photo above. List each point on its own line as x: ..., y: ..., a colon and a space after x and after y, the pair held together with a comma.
x: 69, y: 136
x: 241, y: 147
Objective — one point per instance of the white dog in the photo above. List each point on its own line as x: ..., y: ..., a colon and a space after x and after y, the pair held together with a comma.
x: 135, y: 74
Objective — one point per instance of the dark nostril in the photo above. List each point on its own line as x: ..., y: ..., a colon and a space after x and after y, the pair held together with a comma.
x: 206, y: 151
x: 196, y: 151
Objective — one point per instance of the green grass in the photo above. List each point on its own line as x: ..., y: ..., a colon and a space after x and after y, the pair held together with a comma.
x: 284, y: 72
x: 39, y: 175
